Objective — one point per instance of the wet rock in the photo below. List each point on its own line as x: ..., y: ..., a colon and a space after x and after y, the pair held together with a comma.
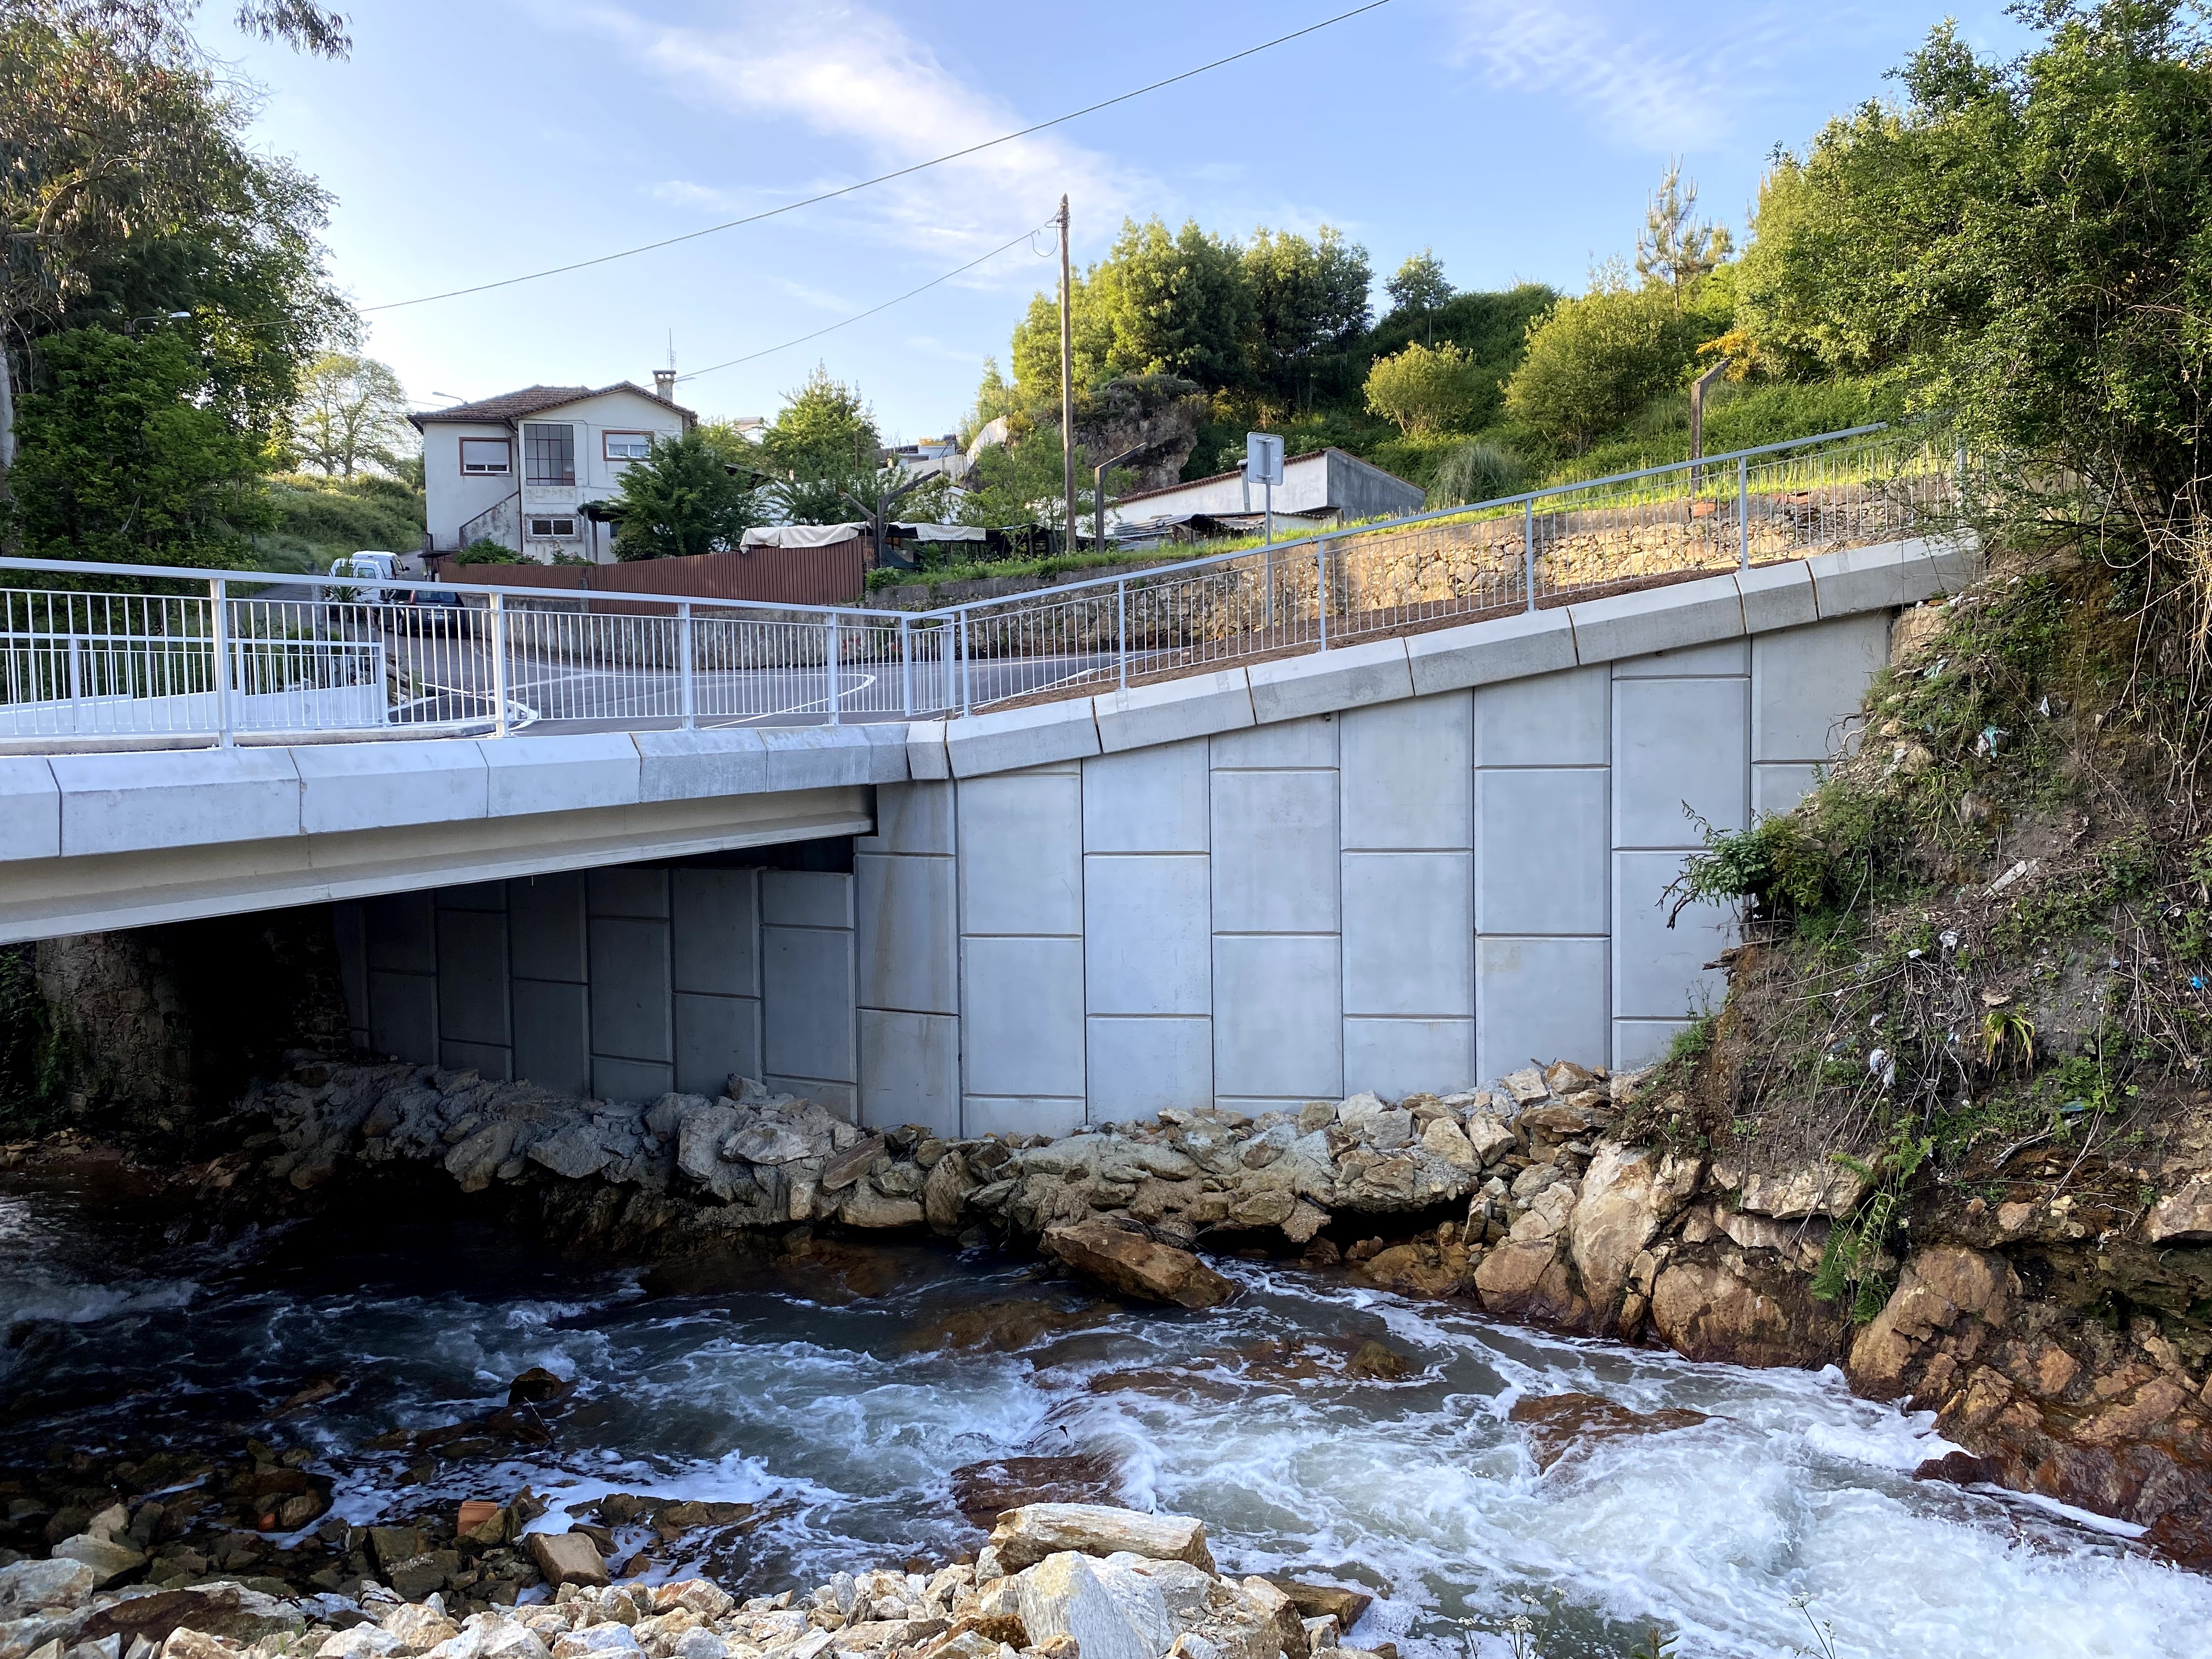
x: 228, y: 1610
x: 1372, y: 1361
x: 109, y: 1561
x: 865, y: 1205
x: 1136, y: 1265
x: 1728, y: 1310
x: 568, y: 1557
x: 1027, y: 1535
x: 1627, y: 1195
x: 1327, y: 1601
x: 983, y: 1491
x: 1948, y: 1308
x: 2184, y: 1217
x: 34, y: 1586
x: 1561, y: 1424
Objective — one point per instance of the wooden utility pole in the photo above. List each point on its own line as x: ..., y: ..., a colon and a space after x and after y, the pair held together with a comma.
x: 1066, y: 378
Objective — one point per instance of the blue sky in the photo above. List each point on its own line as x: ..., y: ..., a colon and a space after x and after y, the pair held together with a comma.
x: 468, y: 140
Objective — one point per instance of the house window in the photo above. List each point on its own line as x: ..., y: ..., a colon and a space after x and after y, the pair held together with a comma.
x: 561, y: 530
x: 628, y: 445
x: 549, y: 453
x: 484, y: 455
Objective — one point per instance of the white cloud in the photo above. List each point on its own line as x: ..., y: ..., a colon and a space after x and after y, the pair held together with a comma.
x: 1653, y: 85
x: 853, y: 74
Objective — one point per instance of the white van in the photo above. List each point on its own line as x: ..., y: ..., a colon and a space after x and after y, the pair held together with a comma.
x: 385, y: 567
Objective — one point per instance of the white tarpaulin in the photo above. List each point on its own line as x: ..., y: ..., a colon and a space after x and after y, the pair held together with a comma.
x: 801, y: 535
x: 942, y: 532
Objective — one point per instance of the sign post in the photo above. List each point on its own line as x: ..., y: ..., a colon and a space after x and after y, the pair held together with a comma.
x: 1263, y: 464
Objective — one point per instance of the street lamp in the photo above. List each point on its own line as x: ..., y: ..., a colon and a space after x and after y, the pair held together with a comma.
x: 131, y: 328
x: 1098, y: 496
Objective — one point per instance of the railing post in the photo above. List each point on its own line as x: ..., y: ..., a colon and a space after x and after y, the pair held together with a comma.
x: 1528, y: 547
x: 76, y: 670
x: 1267, y: 592
x: 219, y: 622
x: 1743, y: 512
x: 906, y: 666
x: 1121, y: 630
x: 965, y: 688
x: 1320, y: 589
x: 687, y: 688
x: 499, y: 664
x: 831, y: 666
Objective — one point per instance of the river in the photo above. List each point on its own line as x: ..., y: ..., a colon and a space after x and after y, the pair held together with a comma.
x: 839, y: 1395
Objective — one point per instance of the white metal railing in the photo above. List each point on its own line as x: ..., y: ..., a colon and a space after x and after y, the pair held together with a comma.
x: 225, y: 654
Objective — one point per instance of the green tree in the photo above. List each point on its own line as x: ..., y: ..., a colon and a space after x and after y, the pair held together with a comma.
x: 1309, y: 309
x: 1593, y: 361
x: 1427, y: 389
x: 1676, y: 250
x: 351, y: 413
x: 824, y: 429
x: 1419, y: 286
x: 1177, y: 304
x: 681, y: 498
x: 125, y: 460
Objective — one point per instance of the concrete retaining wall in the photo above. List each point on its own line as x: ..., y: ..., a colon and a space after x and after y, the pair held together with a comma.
x: 1407, y: 864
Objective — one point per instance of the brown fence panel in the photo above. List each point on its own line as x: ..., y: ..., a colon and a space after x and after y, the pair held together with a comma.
x: 569, y: 577
x: 835, y: 574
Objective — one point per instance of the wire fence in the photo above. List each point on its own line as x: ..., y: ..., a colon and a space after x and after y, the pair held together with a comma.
x: 250, y: 656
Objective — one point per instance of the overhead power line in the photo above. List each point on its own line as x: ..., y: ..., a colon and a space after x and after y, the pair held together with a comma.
x: 768, y: 351
x: 881, y: 178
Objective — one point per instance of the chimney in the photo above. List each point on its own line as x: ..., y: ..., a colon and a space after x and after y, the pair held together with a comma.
x: 664, y: 385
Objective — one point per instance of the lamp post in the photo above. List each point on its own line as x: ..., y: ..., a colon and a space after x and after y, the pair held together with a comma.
x: 1098, y: 492
x: 131, y: 328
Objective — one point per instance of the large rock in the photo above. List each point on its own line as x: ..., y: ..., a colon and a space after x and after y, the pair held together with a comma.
x: 2182, y: 1218
x: 1824, y: 1189
x: 575, y: 1153
x: 110, y: 1562
x: 1064, y: 1595
x: 1133, y: 1265
x: 33, y: 1586
x: 1026, y: 1536
x: 865, y: 1206
x: 1727, y: 1310
x: 568, y: 1557
x: 1627, y: 1196
x: 771, y: 1143
x: 222, y: 1608
x: 1948, y: 1304
x: 699, y: 1138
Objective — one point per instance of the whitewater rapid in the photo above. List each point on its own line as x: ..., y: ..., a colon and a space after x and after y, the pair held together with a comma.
x: 843, y: 1416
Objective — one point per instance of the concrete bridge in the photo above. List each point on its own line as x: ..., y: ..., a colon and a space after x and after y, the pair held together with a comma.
x: 1404, y: 863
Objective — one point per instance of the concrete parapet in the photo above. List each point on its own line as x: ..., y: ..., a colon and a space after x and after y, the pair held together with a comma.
x: 1328, y: 680
x: 692, y: 765
x: 1483, y: 654
x: 387, y: 786
x: 140, y: 802
x: 1017, y: 737
x: 30, y: 808
x: 1657, y: 619
x: 561, y: 774
x: 1138, y: 716
x: 1777, y: 596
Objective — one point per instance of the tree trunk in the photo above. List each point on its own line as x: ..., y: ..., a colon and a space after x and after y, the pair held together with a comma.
x: 7, y: 411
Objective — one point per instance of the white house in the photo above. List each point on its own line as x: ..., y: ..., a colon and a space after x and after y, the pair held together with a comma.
x: 528, y: 469
x: 1323, y: 486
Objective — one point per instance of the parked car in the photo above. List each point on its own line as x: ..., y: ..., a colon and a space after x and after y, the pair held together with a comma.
x: 434, y: 609
x: 373, y: 566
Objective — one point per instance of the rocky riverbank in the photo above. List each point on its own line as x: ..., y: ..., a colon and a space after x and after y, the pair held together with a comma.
x: 1055, y: 1581
x: 2008, y: 1317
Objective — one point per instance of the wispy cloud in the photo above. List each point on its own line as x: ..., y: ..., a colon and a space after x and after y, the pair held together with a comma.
x: 1650, y: 84
x: 853, y: 74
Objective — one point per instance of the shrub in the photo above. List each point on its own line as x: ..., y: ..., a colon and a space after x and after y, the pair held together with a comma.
x: 1478, y: 471
x: 483, y: 550
x: 1425, y: 389
x: 1593, y: 363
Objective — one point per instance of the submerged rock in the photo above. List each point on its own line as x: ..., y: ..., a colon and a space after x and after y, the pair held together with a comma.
x: 1561, y: 1425
x: 1136, y: 1265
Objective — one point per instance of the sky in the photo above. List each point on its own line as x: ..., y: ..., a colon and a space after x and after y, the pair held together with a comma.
x: 470, y: 141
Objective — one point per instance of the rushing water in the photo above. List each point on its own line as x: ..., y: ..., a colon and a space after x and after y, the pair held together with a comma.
x: 842, y: 1395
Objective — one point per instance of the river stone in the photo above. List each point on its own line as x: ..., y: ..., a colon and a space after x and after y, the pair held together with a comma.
x: 418, y: 1629
x: 608, y: 1639
x: 29, y: 1586
x: 1627, y: 1196
x: 568, y: 1557
x: 108, y: 1561
x: 1134, y: 1266
x: 1026, y: 1536
x: 865, y: 1206
x: 362, y: 1642
x: 849, y: 1165
x: 575, y: 1153
x: 699, y: 1138
x: 1278, y: 1608
x: 1062, y: 1595
x: 222, y: 1608
x: 1327, y: 1601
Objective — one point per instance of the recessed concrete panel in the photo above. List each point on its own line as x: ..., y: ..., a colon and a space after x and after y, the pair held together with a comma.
x: 1409, y: 934
x: 1778, y: 788
x: 1147, y: 947
x: 630, y: 992
x: 614, y: 1078
x: 1289, y: 744
x: 552, y: 1035
x: 1021, y: 854
x: 1023, y: 1014
x: 403, y: 1016
x: 716, y: 1036
x: 806, y: 985
x: 475, y: 895
x: 806, y: 898
x: 1806, y: 685
x: 1641, y: 1042
x: 1141, y: 1066
x: 1274, y: 863
x: 30, y: 809
x: 472, y: 977
x: 911, y: 817
x: 1679, y: 749
x: 1278, y: 1014
x: 1405, y: 773
x: 402, y: 933
x: 985, y: 1115
x: 1659, y: 972
x: 545, y: 917
x: 908, y: 932
x: 488, y: 1061
x: 1689, y: 662
x: 1539, y: 1000
x: 1147, y: 800
x: 910, y: 1071
x: 1542, y: 850
x: 1554, y: 720
x: 635, y: 891
x: 715, y: 932
x: 1394, y: 1058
